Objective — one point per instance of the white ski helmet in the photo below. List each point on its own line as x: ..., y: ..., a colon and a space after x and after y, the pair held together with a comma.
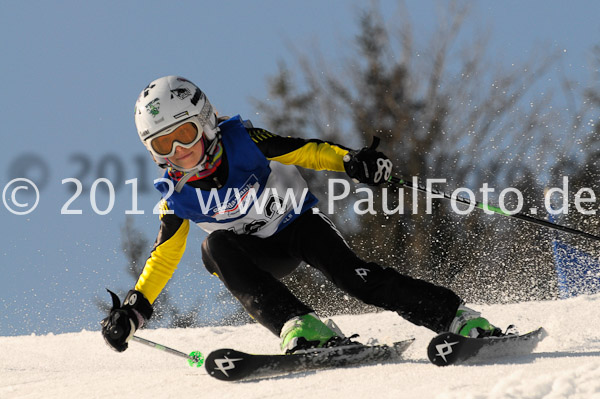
x: 169, y: 102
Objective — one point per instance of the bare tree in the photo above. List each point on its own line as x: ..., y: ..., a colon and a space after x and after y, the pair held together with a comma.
x: 448, y: 110
x: 580, y: 161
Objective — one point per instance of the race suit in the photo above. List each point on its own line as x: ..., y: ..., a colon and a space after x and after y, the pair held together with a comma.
x: 262, y: 224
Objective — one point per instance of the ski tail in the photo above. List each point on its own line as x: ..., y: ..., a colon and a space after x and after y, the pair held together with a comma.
x: 447, y: 348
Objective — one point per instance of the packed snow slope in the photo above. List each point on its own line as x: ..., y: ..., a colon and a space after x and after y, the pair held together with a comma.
x: 79, y: 365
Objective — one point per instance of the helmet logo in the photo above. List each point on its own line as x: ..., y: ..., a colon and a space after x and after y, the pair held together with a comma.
x: 181, y: 93
x: 181, y: 115
x: 147, y: 89
x: 153, y: 107
x: 198, y: 95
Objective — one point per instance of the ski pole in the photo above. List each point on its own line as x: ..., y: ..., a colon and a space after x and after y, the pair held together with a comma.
x: 195, y: 358
x: 527, y: 218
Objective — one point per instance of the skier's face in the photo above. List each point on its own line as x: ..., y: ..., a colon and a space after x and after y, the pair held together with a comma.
x: 187, y: 158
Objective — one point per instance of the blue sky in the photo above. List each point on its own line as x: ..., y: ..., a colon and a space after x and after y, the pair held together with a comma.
x: 71, y: 72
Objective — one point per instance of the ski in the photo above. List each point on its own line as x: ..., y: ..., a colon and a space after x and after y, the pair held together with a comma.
x: 233, y: 365
x: 448, y: 348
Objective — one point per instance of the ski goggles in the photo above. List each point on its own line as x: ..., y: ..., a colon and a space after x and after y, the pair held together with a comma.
x: 185, y: 134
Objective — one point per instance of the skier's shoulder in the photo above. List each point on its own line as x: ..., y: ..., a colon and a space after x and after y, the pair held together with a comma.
x: 226, y: 121
x: 257, y: 134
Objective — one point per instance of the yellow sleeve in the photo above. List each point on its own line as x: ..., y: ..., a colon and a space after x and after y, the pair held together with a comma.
x: 163, y: 261
x: 315, y: 155
x: 310, y: 154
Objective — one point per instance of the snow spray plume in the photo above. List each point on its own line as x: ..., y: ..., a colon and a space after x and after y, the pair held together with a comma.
x: 486, y: 207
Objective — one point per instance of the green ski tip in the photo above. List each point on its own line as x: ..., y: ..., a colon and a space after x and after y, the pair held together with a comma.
x: 196, y: 359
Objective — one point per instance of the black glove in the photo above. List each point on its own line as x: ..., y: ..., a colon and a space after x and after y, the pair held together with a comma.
x: 368, y: 165
x: 123, y: 321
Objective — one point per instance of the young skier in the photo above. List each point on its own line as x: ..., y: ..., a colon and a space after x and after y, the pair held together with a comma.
x: 217, y: 170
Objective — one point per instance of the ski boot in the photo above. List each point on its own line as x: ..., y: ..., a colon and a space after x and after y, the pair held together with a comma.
x: 308, y: 331
x: 469, y: 323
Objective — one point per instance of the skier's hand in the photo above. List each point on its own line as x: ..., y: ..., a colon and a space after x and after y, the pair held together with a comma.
x: 368, y: 165
x: 123, y: 321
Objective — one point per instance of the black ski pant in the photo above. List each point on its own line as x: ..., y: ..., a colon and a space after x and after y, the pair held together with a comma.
x: 250, y: 267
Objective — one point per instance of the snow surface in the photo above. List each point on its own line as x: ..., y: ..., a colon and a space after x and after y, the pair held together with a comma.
x: 79, y: 365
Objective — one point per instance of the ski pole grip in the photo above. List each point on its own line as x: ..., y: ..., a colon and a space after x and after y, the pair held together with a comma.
x: 375, y: 143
